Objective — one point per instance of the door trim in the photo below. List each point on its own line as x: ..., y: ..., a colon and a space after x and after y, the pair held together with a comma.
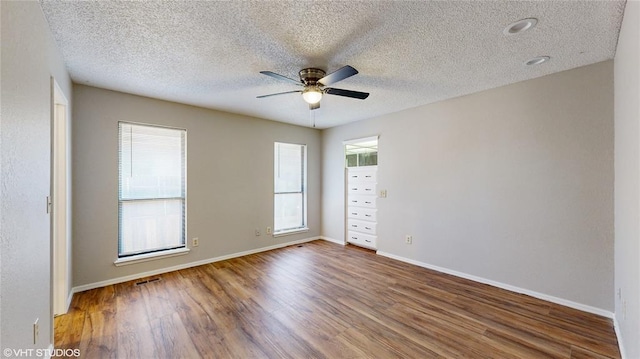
x: 61, y: 204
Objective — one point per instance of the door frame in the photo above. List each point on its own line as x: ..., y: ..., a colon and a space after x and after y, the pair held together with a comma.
x: 60, y: 202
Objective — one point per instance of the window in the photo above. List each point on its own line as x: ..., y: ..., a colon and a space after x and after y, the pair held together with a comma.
x: 290, y: 182
x: 362, y: 153
x: 151, y: 189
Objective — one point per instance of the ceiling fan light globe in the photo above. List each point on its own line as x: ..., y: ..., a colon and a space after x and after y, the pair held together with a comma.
x: 312, y: 95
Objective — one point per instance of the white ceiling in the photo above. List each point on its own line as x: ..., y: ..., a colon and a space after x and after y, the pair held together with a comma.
x: 408, y: 53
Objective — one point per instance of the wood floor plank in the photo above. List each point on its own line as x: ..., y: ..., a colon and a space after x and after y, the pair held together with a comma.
x: 171, y: 338
x: 97, y: 299
x: 135, y: 340
x: 203, y: 329
x: 378, y: 324
x: 322, y: 333
x: 581, y: 353
x: 593, y: 325
x: 68, y: 328
x: 99, y: 335
x: 524, y: 346
x: 380, y: 343
x: 322, y: 300
x: 134, y: 335
x: 550, y: 332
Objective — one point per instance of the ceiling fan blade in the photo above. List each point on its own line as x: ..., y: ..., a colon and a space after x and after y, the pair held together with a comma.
x: 338, y: 75
x: 314, y: 106
x: 347, y: 93
x: 281, y: 77
x: 279, y: 93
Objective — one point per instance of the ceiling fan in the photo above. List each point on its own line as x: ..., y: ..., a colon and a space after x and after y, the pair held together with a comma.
x: 315, y: 81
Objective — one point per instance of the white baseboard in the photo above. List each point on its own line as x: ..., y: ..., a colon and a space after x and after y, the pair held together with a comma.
x: 549, y: 298
x: 332, y: 240
x: 69, y: 299
x: 616, y: 327
x: 107, y: 282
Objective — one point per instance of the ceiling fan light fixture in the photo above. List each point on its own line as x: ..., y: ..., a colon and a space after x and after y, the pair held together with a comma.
x: 312, y: 95
x: 520, y: 26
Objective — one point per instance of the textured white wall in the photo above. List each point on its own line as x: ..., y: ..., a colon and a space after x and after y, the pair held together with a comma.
x: 514, y: 184
x: 229, y: 179
x: 29, y: 59
x: 627, y: 185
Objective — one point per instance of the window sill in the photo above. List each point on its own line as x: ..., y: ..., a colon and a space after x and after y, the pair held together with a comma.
x: 290, y: 231
x: 150, y: 256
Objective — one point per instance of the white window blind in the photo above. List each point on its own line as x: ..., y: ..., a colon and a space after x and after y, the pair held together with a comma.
x: 290, y: 197
x: 152, y: 189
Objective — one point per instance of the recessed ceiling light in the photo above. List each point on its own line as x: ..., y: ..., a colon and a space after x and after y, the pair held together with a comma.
x: 520, y: 26
x: 537, y: 60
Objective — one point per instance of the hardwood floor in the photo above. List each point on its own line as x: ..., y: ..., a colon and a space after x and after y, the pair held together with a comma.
x: 323, y: 300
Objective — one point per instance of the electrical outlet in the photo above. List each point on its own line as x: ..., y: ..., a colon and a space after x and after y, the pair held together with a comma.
x: 195, y: 241
x: 36, y: 331
x: 624, y: 310
x: 268, y: 230
x: 619, y: 293
x: 408, y: 239
x: 257, y: 232
x: 382, y: 193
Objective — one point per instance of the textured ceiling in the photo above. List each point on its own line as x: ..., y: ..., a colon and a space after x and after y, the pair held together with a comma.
x: 408, y: 53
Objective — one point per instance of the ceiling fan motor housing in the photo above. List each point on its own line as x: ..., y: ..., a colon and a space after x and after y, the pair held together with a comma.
x: 311, y: 76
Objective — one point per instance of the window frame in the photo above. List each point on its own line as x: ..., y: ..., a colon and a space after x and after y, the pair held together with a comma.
x: 303, y: 191
x: 150, y: 254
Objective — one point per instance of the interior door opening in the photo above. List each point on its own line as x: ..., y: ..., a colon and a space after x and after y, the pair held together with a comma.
x: 361, y: 162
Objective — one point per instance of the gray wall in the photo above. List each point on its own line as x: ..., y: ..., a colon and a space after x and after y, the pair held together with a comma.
x: 29, y: 59
x: 627, y: 185
x: 513, y: 185
x: 229, y: 180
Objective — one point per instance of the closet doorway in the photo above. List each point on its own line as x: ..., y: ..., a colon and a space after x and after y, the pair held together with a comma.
x: 361, y: 166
